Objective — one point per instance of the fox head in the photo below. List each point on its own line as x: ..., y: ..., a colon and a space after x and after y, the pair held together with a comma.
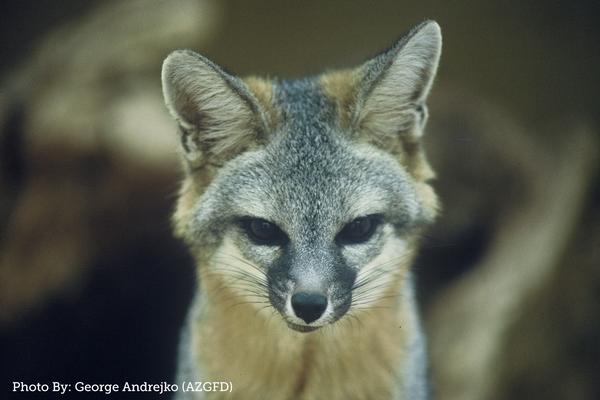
x: 306, y: 195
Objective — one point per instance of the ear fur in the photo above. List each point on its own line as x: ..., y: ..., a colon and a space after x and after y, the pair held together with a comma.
x: 395, y: 84
x: 217, y: 114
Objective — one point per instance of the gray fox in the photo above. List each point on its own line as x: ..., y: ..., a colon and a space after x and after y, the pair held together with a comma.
x: 302, y: 203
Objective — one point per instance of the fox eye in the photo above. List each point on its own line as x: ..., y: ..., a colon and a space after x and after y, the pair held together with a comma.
x: 359, y: 230
x: 263, y: 232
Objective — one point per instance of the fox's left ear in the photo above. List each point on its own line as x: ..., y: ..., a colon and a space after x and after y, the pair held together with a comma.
x: 394, y: 86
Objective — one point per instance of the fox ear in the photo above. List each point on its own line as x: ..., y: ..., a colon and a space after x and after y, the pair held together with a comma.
x: 218, y: 115
x: 395, y: 84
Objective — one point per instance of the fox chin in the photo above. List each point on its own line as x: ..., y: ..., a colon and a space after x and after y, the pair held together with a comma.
x: 303, y: 202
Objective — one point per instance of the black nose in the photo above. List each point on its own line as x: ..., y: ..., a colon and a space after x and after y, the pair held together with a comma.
x: 309, y: 306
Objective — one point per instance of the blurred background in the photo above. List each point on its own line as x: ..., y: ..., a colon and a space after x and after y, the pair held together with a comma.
x: 94, y: 288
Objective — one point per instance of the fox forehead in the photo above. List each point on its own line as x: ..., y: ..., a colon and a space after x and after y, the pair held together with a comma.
x: 332, y: 185
x: 310, y: 176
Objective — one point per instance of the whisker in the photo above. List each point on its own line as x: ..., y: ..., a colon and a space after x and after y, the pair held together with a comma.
x: 241, y: 283
x: 245, y: 262
x: 235, y: 269
x: 234, y: 278
x: 366, y: 289
x: 378, y: 270
x: 242, y: 303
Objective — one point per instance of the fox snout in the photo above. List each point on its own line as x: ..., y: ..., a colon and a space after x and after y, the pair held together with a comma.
x: 308, y: 306
x: 310, y: 295
x: 308, y: 310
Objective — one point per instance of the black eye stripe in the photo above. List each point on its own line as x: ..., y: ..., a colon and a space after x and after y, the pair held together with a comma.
x: 359, y: 230
x: 263, y: 232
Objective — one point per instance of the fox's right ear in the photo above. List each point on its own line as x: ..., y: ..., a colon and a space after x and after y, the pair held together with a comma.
x: 218, y: 115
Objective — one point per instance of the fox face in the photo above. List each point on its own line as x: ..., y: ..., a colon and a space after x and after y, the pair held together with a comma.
x: 305, y: 196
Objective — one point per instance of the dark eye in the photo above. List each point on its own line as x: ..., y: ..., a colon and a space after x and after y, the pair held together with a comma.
x: 263, y: 232
x: 360, y: 230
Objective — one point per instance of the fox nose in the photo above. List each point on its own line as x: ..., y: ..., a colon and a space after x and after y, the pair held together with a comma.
x: 309, y: 306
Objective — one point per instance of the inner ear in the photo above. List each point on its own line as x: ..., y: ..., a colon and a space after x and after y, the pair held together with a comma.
x: 395, y: 85
x: 218, y: 114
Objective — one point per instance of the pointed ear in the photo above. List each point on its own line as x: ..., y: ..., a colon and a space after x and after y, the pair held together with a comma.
x: 218, y: 115
x: 395, y: 84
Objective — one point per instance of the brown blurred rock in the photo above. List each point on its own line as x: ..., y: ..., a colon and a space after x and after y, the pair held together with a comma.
x: 84, y: 118
x: 531, y: 196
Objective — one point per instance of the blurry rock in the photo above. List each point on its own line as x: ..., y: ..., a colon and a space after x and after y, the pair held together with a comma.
x: 529, y: 197
x: 84, y: 119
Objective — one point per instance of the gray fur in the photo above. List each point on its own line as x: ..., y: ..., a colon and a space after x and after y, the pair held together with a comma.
x: 187, y: 368
x: 416, y: 382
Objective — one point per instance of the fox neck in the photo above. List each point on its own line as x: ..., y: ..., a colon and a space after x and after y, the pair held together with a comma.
x: 254, y: 349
